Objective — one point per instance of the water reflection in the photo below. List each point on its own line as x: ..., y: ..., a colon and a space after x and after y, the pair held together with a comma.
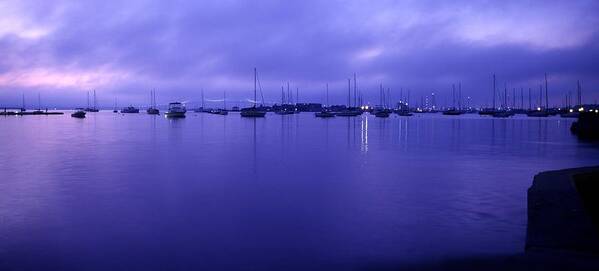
x: 364, y: 134
x: 316, y: 191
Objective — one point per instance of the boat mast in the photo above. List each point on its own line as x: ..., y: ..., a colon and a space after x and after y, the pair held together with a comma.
x: 579, y: 97
x: 255, y: 79
x: 546, y: 94
x: 88, y: 99
x: 504, y: 95
x: 540, y: 95
x: 94, y: 99
x: 513, y: 98
x: 388, y: 98
x: 348, y: 93
x: 355, y: 90
x: 327, y: 94
x: 460, y: 96
x: 282, y: 96
x: 381, y: 95
x: 453, y: 96
x: 225, y: 100
x: 23, y: 101
x: 521, y: 98
x: 494, y: 92
x: 39, y: 101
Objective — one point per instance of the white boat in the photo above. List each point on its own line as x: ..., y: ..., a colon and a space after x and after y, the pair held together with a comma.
x: 176, y: 110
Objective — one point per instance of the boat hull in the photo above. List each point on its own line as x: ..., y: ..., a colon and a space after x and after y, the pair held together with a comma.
x: 348, y: 114
x: 175, y: 114
x: 381, y: 115
x: 252, y: 114
x: 78, y: 114
x: 540, y: 114
x: 324, y: 115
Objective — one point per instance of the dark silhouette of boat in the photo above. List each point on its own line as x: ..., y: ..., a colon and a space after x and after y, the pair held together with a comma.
x: 91, y: 109
x: 223, y: 111
x: 253, y: 112
x: 326, y: 112
x: 153, y: 110
x: 538, y: 113
x: 455, y: 111
x: 130, y: 110
x: 541, y: 112
x: 502, y: 113
x: 348, y: 113
x: 79, y: 113
x: 381, y: 111
x: 382, y: 114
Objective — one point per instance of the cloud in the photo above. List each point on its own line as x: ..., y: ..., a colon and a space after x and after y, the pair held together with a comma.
x: 124, y: 48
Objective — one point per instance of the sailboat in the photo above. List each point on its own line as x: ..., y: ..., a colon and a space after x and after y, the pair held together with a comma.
x: 152, y: 110
x: 575, y: 112
x: 490, y: 111
x: 325, y: 113
x: 23, y: 105
x: 540, y: 112
x: 91, y: 109
x: 503, y: 112
x: 253, y: 112
x: 222, y: 112
x: 380, y: 111
x: 115, y: 110
x: 39, y: 106
x: 285, y: 109
x: 454, y: 111
x: 349, y: 111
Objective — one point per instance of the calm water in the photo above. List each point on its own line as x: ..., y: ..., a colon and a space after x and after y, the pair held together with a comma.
x: 138, y: 192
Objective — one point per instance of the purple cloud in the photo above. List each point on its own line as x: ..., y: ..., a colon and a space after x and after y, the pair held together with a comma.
x: 64, y: 48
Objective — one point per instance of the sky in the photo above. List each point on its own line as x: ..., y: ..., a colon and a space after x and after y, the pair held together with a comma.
x: 123, y: 49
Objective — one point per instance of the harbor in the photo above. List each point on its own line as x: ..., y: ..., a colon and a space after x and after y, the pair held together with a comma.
x: 299, y: 135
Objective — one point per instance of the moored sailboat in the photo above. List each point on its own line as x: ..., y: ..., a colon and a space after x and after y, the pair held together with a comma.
x: 253, y: 112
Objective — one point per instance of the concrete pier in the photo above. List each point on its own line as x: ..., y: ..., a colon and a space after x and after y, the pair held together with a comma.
x: 562, y: 211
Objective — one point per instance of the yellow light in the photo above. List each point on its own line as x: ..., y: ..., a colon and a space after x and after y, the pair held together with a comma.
x: 581, y: 109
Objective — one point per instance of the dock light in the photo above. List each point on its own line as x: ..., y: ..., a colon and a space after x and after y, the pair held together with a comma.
x: 538, y: 109
x: 581, y: 109
x: 571, y: 110
x: 596, y: 111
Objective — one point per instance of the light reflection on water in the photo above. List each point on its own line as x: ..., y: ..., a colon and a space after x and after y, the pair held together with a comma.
x: 221, y: 192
